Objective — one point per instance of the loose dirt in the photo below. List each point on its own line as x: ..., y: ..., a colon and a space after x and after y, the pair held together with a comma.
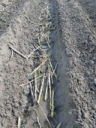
x: 72, y: 45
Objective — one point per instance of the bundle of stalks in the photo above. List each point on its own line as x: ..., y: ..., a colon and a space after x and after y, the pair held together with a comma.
x: 44, y: 75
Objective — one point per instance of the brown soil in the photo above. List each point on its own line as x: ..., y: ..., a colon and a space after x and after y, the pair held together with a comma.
x: 73, y: 49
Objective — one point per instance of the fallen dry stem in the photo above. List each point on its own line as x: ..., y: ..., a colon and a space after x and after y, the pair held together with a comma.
x: 48, y: 44
x: 19, y: 53
x: 38, y: 67
x: 31, y: 90
x: 48, y: 29
x: 45, y: 115
x: 53, y: 71
x: 46, y: 92
x: 52, y: 104
x: 49, y: 83
x: 32, y: 80
x: 9, y: 59
x: 41, y: 89
x: 38, y: 122
x: 35, y: 86
x: 43, y: 56
x: 59, y: 125
x: 37, y: 118
x: 55, y: 68
x: 19, y: 122
x: 32, y: 52
x: 39, y: 39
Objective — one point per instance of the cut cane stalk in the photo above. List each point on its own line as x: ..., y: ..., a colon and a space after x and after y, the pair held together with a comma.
x: 52, y: 104
x: 37, y: 118
x: 55, y: 68
x: 36, y: 90
x: 32, y: 92
x: 38, y: 67
x: 49, y: 84
x: 32, y: 80
x: 44, y: 56
x: 39, y: 41
x: 41, y: 89
x: 52, y: 80
x: 46, y: 92
x: 48, y: 43
x: 19, y: 122
x: 45, y: 115
x: 52, y: 68
x: 32, y: 52
x: 53, y: 74
x: 51, y: 96
x: 48, y: 29
x: 9, y: 59
x: 59, y: 125
x: 19, y: 53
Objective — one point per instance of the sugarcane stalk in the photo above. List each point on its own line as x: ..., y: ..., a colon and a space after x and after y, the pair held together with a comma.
x: 19, y: 122
x: 39, y: 71
x: 52, y: 104
x: 31, y: 90
x: 39, y: 39
x: 41, y: 89
x: 45, y: 115
x: 49, y: 83
x: 51, y: 95
x: 46, y: 20
x: 32, y: 52
x: 55, y: 68
x: 52, y: 68
x: 45, y: 55
x: 37, y: 118
x: 48, y: 44
x: 38, y: 67
x: 48, y: 29
x: 39, y: 122
x: 52, y: 79
x: 59, y: 125
x: 46, y: 92
x: 35, y: 86
x: 31, y: 81
x: 19, y: 53
x: 53, y: 73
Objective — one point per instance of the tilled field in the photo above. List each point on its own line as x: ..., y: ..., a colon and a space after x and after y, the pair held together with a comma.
x: 47, y: 64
